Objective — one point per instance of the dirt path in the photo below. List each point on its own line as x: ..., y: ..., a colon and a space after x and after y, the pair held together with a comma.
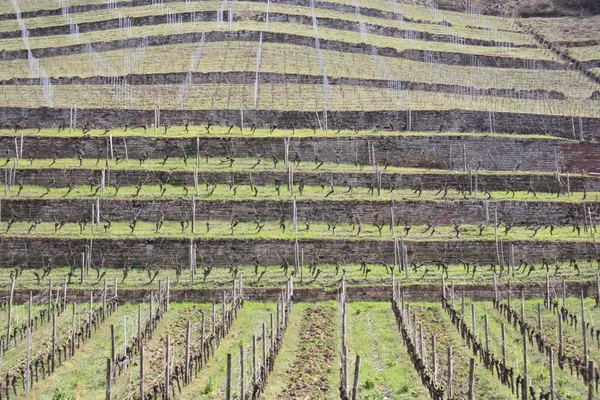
x: 314, y: 357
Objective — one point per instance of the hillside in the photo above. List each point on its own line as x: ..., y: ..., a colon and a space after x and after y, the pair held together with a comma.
x: 201, y: 176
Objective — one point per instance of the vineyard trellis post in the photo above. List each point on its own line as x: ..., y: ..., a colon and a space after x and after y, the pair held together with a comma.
x: 450, y: 374
x: 10, y: 303
x: 73, y: 333
x: 28, y: 371
x: 471, y: 377
x: 433, y: 359
x: 142, y: 370
x: 560, y: 336
x: 524, y: 391
x: 254, y: 359
x: 112, y: 342
x: 590, y: 378
x: 53, y: 340
x: 168, y: 365
x: 539, y: 316
x: 356, y: 378
x: 242, y: 372
x: 548, y: 300
x: 64, y: 302
x: 228, y: 382
x: 108, y: 378
x: 583, y: 331
x: 552, y: 388
x: 188, y: 334
x: 503, y: 344
x: 487, y: 333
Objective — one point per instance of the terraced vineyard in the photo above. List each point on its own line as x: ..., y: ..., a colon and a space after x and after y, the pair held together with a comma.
x: 297, y: 199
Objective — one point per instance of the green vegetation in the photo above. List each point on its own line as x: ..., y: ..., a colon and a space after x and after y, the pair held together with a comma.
x: 239, y: 193
x: 83, y: 376
x: 271, y: 230
x: 386, y: 369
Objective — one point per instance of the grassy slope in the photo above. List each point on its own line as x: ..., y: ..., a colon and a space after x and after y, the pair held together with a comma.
x: 386, y: 370
x: 274, y: 277
x: 436, y: 322
x: 71, y: 379
x: 210, y: 382
x: 568, y: 387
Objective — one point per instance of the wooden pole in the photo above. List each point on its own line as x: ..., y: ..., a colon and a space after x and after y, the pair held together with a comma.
x: 473, y: 318
x: 539, y: 316
x: 142, y: 372
x: 264, y: 347
x: 548, y: 302
x: 242, y: 373
x: 228, y: 382
x: 64, y: 302
x: 471, y: 377
x: 356, y: 378
x: 590, y: 377
x: 583, y: 332
x: 73, y: 333
x: 449, y: 385
x: 487, y: 333
x: 504, y: 344
x: 9, y: 316
x: 167, y: 366
x: 525, y: 391
x: 552, y: 388
x: 108, y: 378
x: 53, y: 340
x: 188, y: 334
x: 254, y: 358
x: 112, y: 343
x: 560, y: 337
x: 28, y: 371
x: 433, y: 359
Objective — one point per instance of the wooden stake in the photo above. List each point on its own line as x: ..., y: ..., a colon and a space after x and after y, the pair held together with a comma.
x: 10, y: 302
x: 73, y: 333
x: 142, y: 372
x: 264, y: 348
x: 548, y: 300
x: 552, y: 388
x: 560, y: 337
x: 433, y: 359
x: 449, y: 385
x: 487, y: 333
x: 503, y: 344
x: 356, y: 378
x: 188, y: 334
x: 28, y: 366
x: 471, y: 377
x: 228, y: 382
x: 53, y: 341
x: 583, y: 332
x: 590, y: 379
x: 112, y: 343
x: 108, y: 378
x: 167, y: 366
x: 254, y: 358
x: 539, y: 315
x: 525, y: 389
x: 242, y: 373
